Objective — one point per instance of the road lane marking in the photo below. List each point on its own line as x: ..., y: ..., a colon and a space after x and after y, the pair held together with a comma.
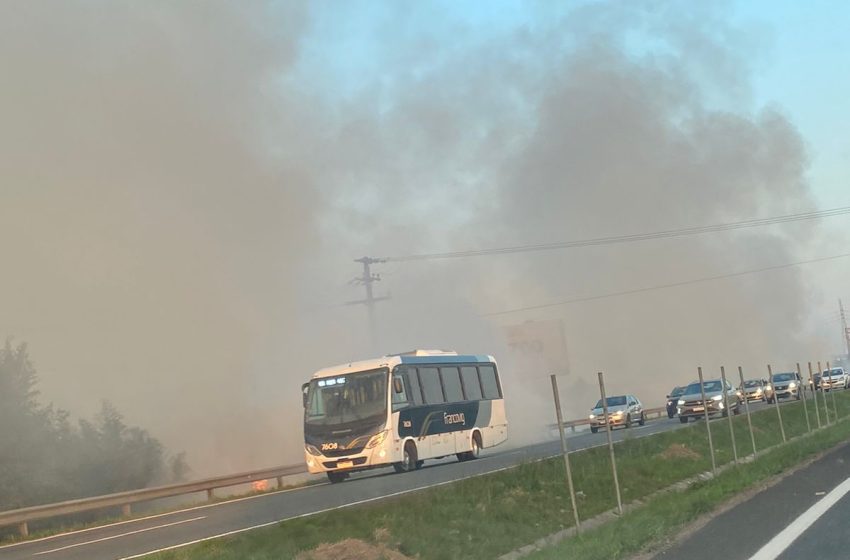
x: 359, y: 502
x: 778, y: 544
x: 120, y: 535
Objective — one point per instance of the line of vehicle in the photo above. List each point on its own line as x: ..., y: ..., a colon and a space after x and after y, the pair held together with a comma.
x: 779, y: 543
x: 75, y: 545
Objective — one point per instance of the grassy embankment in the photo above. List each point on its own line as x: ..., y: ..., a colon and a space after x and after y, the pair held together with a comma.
x: 490, y: 515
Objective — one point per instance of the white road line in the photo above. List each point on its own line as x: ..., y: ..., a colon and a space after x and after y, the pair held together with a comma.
x: 121, y: 535
x: 149, y: 517
x: 783, y: 540
x: 360, y: 502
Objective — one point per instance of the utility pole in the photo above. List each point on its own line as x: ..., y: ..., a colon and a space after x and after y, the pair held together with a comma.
x: 844, y: 326
x: 367, y: 280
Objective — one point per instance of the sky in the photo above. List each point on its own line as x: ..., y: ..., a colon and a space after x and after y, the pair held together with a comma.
x: 185, y: 187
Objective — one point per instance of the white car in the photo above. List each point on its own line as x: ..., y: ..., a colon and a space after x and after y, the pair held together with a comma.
x: 834, y: 377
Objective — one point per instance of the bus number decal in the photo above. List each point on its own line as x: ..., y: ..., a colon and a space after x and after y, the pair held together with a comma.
x: 329, y: 446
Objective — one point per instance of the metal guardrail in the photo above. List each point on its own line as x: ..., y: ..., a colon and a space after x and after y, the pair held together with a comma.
x: 21, y: 517
x: 572, y: 424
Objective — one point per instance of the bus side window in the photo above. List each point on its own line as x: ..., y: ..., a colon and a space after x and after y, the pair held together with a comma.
x: 451, y: 384
x: 400, y: 400
x: 488, y: 382
x: 471, y: 384
x: 430, y: 379
x: 414, y: 392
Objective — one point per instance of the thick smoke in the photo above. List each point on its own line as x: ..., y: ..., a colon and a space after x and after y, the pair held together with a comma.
x: 183, y: 194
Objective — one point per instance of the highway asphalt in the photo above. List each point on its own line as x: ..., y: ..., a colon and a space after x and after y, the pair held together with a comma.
x: 802, y: 517
x: 135, y: 538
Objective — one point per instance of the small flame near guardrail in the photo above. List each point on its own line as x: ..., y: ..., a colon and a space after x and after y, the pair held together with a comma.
x: 260, y: 485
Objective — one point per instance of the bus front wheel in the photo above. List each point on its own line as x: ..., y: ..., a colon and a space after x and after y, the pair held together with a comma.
x: 336, y: 476
x: 409, y: 459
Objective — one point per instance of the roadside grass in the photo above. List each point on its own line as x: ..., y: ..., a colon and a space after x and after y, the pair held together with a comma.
x: 489, y: 515
x: 646, y: 528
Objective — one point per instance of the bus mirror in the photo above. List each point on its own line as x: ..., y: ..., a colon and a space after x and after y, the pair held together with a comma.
x: 304, y: 393
x: 397, y: 385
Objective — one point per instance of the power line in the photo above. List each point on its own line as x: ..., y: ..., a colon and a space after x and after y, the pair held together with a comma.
x: 664, y: 286
x: 616, y: 239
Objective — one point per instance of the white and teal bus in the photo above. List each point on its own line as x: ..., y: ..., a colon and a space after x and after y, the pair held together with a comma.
x: 400, y: 410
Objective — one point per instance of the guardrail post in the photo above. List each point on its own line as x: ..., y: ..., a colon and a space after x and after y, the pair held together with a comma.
x: 126, y: 510
x: 210, y: 494
x: 707, y: 425
x: 814, y: 394
x: 747, y: 409
x: 805, y: 406
x: 573, y: 428
x: 279, y: 482
x: 610, y: 443
x: 729, y: 414
x: 823, y: 394
x: 565, y: 451
x: 23, y: 529
x: 834, y: 404
x: 776, y: 403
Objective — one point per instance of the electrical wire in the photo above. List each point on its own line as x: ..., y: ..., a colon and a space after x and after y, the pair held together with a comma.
x: 617, y: 239
x: 664, y: 286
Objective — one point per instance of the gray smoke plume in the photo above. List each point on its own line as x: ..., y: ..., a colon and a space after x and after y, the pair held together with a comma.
x: 182, y: 201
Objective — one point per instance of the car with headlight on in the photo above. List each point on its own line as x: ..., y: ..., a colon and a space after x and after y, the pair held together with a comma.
x: 834, y: 378
x: 755, y: 390
x: 623, y: 410
x: 786, y: 386
x: 692, y: 405
x: 672, y: 398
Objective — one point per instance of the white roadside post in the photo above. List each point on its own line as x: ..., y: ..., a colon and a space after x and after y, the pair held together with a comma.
x: 565, y: 451
x: 610, y: 443
x: 707, y: 424
x: 823, y: 394
x: 729, y: 414
x: 832, y: 390
x: 814, y: 394
x: 776, y: 403
x: 800, y: 389
x: 747, y: 409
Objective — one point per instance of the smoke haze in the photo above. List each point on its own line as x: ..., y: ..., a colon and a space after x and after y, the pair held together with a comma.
x: 185, y: 185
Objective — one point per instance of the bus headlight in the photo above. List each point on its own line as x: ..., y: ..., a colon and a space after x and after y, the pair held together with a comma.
x: 377, y: 439
x: 313, y: 450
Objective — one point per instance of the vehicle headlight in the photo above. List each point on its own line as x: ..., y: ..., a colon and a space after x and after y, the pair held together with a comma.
x: 618, y: 413
x: 717, y: 398
x: 313, y: 450
x: 792, y: 385
x: 768, y: 388
x: 377, y: 439
x: 681, y: 402
x: 758, y: 391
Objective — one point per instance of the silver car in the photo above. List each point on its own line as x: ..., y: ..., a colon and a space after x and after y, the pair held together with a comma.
x: 623, y: 410
x: 692, y: 405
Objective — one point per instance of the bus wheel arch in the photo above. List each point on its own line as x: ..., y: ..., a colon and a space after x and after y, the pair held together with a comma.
x: 409, y: 459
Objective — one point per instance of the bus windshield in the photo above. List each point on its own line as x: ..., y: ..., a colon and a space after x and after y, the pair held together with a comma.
x: 346, y: 398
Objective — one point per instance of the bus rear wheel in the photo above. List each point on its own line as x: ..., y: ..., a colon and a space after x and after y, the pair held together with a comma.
x: 476, y: 449
x: 409, y: 459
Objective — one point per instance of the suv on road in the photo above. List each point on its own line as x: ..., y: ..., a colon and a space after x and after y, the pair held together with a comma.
x: 691, y: 404
x: 623, y: 410
x: 785, y: 385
